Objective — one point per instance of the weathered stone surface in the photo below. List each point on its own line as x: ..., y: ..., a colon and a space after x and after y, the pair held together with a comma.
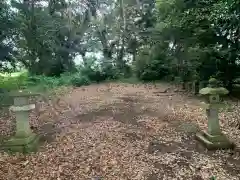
x: 214, y: 142
x: 213, y: 122
x: 213, y: 91
x: 213, y: 82
x: 23, y: 93
x: 22, y: 108
x: 22, y: 144
x: 213, y: 138
x: 213, y: 106
x: 24, y: 140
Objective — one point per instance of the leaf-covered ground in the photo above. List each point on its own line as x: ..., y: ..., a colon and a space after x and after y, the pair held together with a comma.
x: 122, y: 132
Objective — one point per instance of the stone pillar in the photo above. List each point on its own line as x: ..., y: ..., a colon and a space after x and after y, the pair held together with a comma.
x: 213, y: 121
x: 24, y: 139
x: 213, y: 138
x: 21, y: 109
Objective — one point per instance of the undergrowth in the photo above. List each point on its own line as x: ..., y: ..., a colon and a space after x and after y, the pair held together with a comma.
x: 43, y: 83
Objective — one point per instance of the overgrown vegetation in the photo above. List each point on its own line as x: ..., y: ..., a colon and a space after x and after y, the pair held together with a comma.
x: 24, y: 80
x: 46, y: 44
x: 150, y: 40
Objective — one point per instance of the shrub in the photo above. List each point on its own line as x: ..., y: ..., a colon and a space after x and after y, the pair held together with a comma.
x: 110, y: 72
x: 153, y: 70
x: 94, y: 75
x: 43, y: 82
x: 151, y: 65
x: 79, y: 80
x: 65, y: 79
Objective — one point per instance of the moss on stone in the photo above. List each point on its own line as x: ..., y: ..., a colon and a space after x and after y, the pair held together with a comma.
x: 214, y: 142
x: 22, y: 144
x: 213, y: 91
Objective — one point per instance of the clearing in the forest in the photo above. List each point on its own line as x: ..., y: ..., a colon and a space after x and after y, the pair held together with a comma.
x: 117, y: 131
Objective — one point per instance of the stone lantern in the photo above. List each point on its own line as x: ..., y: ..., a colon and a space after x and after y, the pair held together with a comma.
x: 213, y: 138
x: 24, y: 139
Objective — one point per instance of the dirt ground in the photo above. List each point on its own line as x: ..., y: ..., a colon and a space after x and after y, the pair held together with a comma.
x: 120, y: 131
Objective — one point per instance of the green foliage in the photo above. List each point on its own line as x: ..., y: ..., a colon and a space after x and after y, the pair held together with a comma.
x: 84, y: 75
x: 150, y: 66
x: 94, y: 74
x: 43, y: 83
x: 9, y: 82
x: 150, y: 40
x: 74, y: 79
x: 194, y: 38
x: 153, y: 70
x: 110, y: 72
x: 79, y: 80
x: 49, y: 37
x: 6, y: 30
x: 48, y: 82
x: 213, y: 178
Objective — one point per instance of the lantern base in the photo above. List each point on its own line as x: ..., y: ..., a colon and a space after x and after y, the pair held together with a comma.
x: 214, y: 142
x: 22, y: 144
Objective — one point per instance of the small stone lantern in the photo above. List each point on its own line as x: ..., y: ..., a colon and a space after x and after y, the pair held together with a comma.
x: 213, y: 138
x: 24, y: 139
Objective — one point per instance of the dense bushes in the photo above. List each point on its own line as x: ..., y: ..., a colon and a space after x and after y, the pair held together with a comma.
x: 83, y: 75
x: 151, y: 65
x: 167, y: 39
x: 74, y: 79
x: 79, y: 80
x: 154, y: 70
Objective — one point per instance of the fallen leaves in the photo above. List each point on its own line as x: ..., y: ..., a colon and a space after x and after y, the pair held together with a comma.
x: 115, y: 145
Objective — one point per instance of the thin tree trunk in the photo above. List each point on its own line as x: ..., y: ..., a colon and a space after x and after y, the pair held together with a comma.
x: 120, y: 61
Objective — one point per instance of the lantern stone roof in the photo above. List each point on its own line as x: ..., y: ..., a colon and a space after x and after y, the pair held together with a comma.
x: 212, y: 89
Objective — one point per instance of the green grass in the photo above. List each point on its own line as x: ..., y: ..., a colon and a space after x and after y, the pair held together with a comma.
x: 15, y: 74
x: 22, y: 80
x: 13, y: 81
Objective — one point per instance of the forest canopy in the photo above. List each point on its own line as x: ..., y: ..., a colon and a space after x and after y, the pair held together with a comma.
x: 152, y: 40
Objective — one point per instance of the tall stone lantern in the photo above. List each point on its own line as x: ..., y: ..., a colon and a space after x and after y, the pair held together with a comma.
x: 24, y: 139
x: 213, y: 138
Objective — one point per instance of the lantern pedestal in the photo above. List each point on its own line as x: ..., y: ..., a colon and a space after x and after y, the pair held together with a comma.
x: 214, y: 138
x: 213, y: 142
x: 22, y: 144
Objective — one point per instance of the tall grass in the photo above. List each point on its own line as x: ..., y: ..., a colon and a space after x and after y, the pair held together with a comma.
x: 84, y: 75
x: 13, y: 81
x: 41, y: 83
